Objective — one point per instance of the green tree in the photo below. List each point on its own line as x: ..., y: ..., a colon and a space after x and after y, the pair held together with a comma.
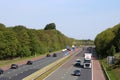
x: 23, y: 51
x: 112, y: 51
x: 50, y: 26
x: 18, y: 41
x: 103, y: 42
x: 34, y: 42
x: 106, y: 39
x: 2, y: 45
x: 8, y: 46
x: 116, y: 40
x: 24, y: 40
x: 2, y: 27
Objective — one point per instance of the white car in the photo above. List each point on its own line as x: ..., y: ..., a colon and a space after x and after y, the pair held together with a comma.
x: 64, y: 50
x: 78, y: 60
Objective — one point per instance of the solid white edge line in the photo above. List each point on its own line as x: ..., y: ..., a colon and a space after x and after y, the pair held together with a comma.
x: 92, y: 69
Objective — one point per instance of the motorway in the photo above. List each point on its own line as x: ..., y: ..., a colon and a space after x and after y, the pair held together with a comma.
x: 63, y: 73
x: 25, y: 70
x: 66, y: 70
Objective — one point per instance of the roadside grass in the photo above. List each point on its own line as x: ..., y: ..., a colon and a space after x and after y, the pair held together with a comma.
x: 16, y: 60
x: 114, y: 74
x: 117, y: 71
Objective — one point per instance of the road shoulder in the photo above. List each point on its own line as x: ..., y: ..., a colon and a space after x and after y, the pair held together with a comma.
x: 97, y: 72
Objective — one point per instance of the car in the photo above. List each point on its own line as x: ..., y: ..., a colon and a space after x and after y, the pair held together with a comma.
x: 1, y: 71
x: 78, y: 60
x: 14, y: 66
x: 29, y: 62
x: 48, y: 55
x: 68, y: 49
x: 77, y: 73
x: 64, y: 50
x: 77, y: 64
x: 54, y: 55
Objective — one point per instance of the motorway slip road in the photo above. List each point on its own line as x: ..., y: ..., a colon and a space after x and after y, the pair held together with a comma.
x: 97, y: 71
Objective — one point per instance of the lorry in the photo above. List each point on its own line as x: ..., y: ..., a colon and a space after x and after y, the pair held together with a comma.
x: 87, y: 60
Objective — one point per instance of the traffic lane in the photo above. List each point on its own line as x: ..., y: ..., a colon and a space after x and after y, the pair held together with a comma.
x: 37, y: 68
x: 19, y: 76
x: 26, y: 68
x: 11, y: 76
x: 12, y: 73
x: 85, y: 74
x: 65, y: 71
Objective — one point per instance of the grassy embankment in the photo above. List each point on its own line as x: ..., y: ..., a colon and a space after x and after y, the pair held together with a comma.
x: 17, y: 60
x: 112, y: 70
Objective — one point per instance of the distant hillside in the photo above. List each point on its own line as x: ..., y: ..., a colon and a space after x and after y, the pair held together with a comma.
x: 19, y: 41
x: 108, y: 41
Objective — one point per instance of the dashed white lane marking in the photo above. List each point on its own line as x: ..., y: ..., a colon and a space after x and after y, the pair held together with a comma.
x: 21, y: 72
x: 37, y: 65
x: 62, y: 77
x: 9, y: 77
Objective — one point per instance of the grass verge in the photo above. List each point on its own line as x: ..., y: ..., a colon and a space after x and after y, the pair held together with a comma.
x: 16, y: 60
x: 113, y: 73
x: 8, y: 62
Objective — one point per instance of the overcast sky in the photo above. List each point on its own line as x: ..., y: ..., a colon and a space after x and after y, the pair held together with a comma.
x: 79, y: 19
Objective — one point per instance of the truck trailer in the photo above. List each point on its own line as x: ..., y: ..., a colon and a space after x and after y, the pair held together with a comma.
x: 87, y: 60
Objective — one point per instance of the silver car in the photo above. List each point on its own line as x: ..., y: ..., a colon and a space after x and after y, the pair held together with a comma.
x: 77, y: 73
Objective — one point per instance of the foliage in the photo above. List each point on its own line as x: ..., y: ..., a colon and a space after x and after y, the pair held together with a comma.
x: 112, y: 51
x: 19, y: 41
x: 108, y: 41
x: 2, y: 26
x: 110, y: 69
x: 50, y: 26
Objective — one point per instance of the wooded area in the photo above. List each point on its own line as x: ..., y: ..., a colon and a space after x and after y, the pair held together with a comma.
x: 108, y: 42
x: 19, y: 41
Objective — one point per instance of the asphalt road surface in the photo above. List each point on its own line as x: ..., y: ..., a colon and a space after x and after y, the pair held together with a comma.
x: 65, y: 72
x: 25, y: 70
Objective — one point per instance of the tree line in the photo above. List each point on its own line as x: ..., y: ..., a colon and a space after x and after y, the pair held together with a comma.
x: 19, y: 41
x: 108, y: 41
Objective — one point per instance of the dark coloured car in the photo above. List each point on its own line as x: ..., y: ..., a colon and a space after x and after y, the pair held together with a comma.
x: 77, y: 73
x: 69, y: 49
x: 54, y: 55
x: 48, y: 55
x: 14, y: 66
x: 29, y: 62
x: 77, y: 64
x: 1, y: 71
